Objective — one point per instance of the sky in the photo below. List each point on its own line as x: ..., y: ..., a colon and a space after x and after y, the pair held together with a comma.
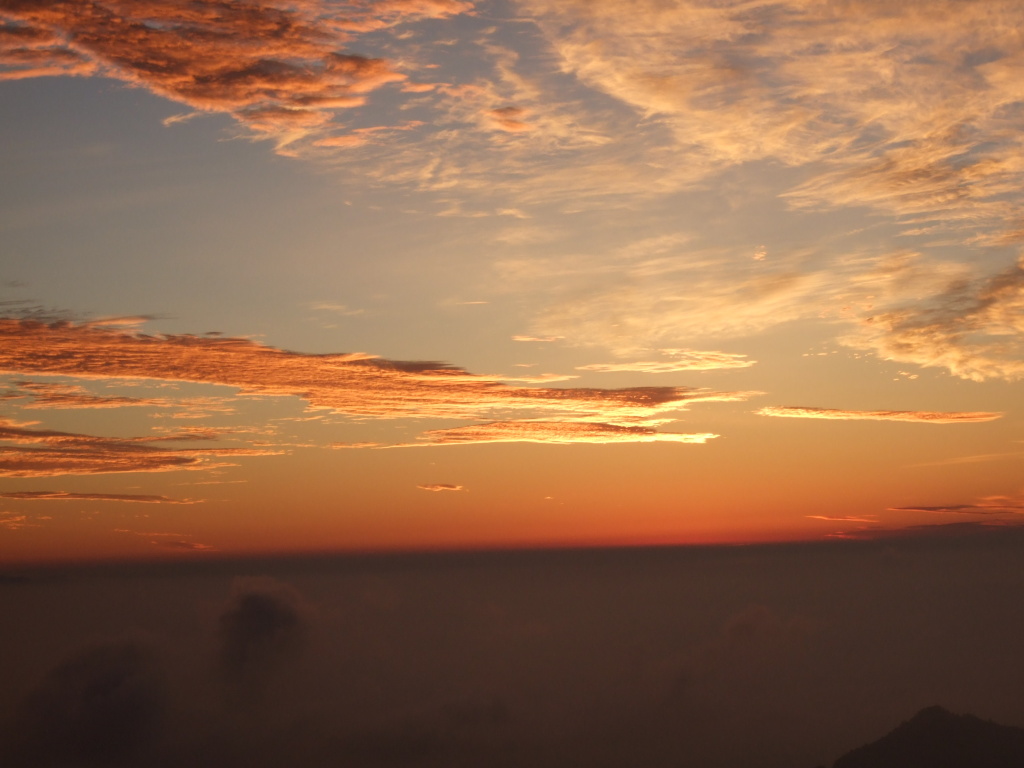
x: 310, y: 276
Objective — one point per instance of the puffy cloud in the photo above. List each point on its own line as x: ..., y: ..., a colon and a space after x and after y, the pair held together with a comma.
x: 557, y: 432
x: 354, y: 384
x: 437, y: 487
x: 136, y: 498
x: 926, y: 417
x: 262, y: 628
x: 101, y: 706
x: 28, y: 452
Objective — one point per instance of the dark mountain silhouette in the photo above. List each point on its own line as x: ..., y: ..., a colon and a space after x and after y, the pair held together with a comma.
x: 936, y: 738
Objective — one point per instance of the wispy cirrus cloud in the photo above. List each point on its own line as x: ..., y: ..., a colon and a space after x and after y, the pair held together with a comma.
x: 355, y: 384
x: 133, y: 498
x: 552, y: 432
x: 973, y: 328
x: 925, y: 417
x: 47, y: 453
x: 685, y: 360
x: 46, y: 395
x: 848, y: 92
x: 439, y: 487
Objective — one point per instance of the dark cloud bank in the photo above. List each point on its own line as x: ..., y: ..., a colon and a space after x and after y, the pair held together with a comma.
x: 753, y: 657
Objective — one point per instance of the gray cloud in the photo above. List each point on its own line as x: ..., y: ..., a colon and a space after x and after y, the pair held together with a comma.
x: 100, y: 707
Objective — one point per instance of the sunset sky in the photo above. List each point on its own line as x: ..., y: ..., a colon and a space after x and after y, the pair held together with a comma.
x: 311, y: 276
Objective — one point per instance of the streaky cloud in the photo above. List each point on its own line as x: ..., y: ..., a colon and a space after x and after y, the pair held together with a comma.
x: 554, y: 432
x: 47, y: 453
x: 686, y: 360
x: 988, y: 505
x: 438, y: 487
x: 355, y: 384
x: 974, y: 329
x: 844, y: 518
x: 138, y: 498
x: 925, y: 417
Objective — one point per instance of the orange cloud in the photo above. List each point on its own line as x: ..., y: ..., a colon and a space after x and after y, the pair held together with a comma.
x: 14, y: 522
x: 276, y: 66
x: 844, y: 518
x: 355, y: 384
x: 557, y: 432
x: 508, y: 119
x: 66, y: 496
x: 927, y: 417
x: 45, y: 395
x: 47, y: 453
x: 436, y: 487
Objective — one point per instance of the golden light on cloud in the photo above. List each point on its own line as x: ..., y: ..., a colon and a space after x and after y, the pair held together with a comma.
x: 46, y: 453
x: 557, y: 432
x: 924, y: 417
x: 354, y: 384
x: 685, y: 360
x: 593, y: 193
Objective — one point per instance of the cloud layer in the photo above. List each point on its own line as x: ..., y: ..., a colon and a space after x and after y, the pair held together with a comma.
x: 354, y: 384
x: 26, y: 452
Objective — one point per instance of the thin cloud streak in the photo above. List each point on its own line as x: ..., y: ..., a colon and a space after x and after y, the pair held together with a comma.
x: 925, y: 417
x: 439, y: 487
x: 843, y: 518
x: 558, y: 433
x: 59, y: 396
x: 355, y: 384
x: 48, y: 453
x: 988, y: 505
x: 687, y: 360
x: 135, y: 498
